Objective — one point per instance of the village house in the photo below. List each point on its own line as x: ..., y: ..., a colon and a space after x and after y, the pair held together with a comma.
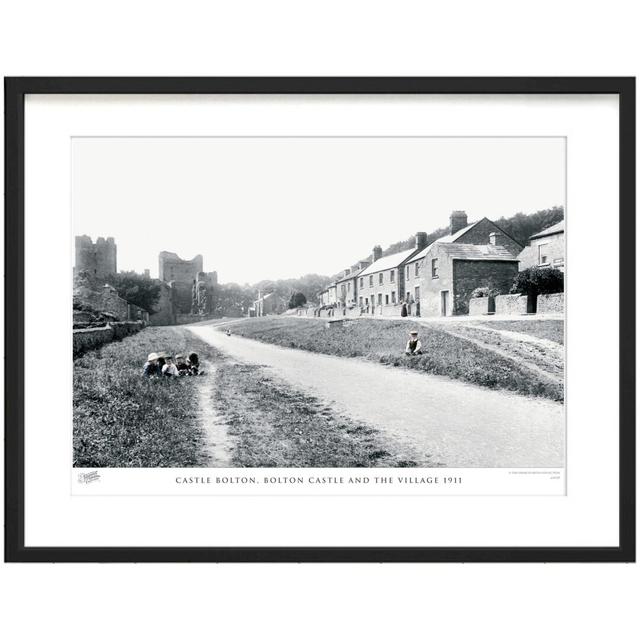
x: 441, y: 278
x: 381, y: 285
x: 332, y: 295
x: 266, y: 305
x: 544, y: 249
x: 323, y: 297
x: 347, y: 285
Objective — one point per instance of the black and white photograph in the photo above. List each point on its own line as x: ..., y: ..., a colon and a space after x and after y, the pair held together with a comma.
x: 320, y: 319
x: 321, y: 302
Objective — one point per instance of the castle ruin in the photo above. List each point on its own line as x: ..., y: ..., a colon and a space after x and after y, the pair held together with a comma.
x: 99, y: 259
x: 194, y: 290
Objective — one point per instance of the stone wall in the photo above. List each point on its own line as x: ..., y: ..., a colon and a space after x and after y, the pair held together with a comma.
x: 392, y: 310
x: 480, y: 306
x: 511, y: 304
x: 106, y: 300
x: 551, y: 303
x: 471, y: 274
x: 87, y: 339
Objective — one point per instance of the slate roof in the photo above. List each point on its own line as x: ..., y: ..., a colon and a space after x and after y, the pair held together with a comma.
x: 553, y: 229
x: 353, y: 274
x: 452, y: 237
x: 491, y: 252
x: 388, y: 262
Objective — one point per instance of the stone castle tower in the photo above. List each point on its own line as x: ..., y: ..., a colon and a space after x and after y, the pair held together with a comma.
x: 193, y: 288
x: 99, y: 259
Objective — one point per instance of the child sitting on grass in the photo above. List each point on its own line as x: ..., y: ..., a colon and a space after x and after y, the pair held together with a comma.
x: 414, y: 346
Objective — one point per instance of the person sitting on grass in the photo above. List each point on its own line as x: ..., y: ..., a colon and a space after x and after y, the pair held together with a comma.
x: 151, y: 367
x: 182, y: 365
x: 169, y: 369
x: 194, y: 364
x: 414, y: 346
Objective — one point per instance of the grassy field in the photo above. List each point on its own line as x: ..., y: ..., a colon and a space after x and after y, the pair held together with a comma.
x: 547, y: 329
x: 274, y: 425
x: 384, y: 342
x: 122, y: 419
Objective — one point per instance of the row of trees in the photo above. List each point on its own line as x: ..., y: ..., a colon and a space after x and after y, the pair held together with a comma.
x: 231, y: 299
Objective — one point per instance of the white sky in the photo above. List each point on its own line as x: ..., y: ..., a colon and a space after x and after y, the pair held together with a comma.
x: 259, y: 208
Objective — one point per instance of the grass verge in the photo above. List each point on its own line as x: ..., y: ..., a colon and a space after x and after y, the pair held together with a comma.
x: 122, y: 419
x: 273, y: 425
x: 384, y: 342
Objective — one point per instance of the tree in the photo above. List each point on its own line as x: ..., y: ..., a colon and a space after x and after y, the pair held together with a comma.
x: 298, y: 299
x: 136, y: 288
x: 233, y: 299
x: 536, y: 280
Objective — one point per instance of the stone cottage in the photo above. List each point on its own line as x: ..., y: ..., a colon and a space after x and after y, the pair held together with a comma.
x: 268, y: 304
x: 544, y: 249
x: 444, y: 274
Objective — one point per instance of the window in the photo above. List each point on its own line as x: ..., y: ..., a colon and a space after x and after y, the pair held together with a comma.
x: 381, y: 278
x: 371, y: 281
x: 543, y: 255
x: 392, y: 276
x: 393, y: 297
x: 361, y: 283
x: 386, y: 299
x: 418, y: 268
x: 380, y: 299
x: 434, y: 268
x: 408, y: 274
x: 349, y: 286
x: 360, y: 300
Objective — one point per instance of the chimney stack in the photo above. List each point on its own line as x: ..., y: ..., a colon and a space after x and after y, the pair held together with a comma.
x: 421, y: 240
x: 495, y: 239
x: 458, y: 221
x: 347, y: 272
x: 377, y: 252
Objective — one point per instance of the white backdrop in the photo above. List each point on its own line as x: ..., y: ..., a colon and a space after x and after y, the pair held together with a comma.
x: 289, y: 38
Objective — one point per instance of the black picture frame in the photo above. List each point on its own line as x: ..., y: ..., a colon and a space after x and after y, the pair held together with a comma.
x: 15, y: 91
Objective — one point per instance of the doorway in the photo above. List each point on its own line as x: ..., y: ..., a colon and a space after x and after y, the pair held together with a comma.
x: 444, y: 303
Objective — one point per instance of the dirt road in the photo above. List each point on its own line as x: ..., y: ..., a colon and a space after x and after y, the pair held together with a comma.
x: 457, y: 424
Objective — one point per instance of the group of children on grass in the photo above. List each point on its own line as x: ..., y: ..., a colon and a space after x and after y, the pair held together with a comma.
x: 164, y: 365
